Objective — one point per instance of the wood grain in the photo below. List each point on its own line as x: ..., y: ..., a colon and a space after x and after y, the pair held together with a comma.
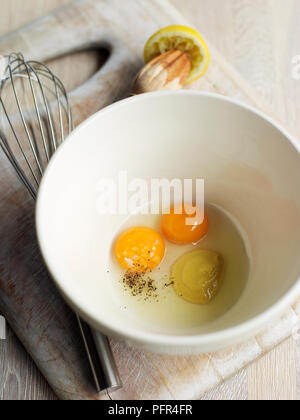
x: 243, y: 25
x: 20, y: 379
x: 274, y: 376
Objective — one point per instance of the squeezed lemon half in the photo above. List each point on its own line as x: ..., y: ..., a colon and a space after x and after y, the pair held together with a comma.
x: 183, y: 38
x: 197, y: 276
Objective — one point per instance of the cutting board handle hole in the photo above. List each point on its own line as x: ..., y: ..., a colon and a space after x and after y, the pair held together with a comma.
x: 75, y: 68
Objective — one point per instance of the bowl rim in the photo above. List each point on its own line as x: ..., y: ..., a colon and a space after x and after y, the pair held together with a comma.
x: 152, y: 338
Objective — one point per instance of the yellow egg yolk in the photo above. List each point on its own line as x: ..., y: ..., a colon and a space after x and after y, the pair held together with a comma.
x: 140, y: 249
x: 176, y: 229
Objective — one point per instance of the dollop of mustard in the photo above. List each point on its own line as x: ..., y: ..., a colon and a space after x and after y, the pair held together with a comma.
x: 197, y: 276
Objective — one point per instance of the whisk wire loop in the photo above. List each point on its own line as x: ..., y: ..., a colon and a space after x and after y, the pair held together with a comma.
x: 36, y: 117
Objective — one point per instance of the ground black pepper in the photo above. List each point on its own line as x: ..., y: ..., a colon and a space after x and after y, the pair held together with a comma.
x: 169, y: 284
x: 140, y: 284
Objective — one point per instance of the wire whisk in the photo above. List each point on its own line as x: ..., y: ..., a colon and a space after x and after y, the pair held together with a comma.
x: 35, y: 118
x: 38, y: 115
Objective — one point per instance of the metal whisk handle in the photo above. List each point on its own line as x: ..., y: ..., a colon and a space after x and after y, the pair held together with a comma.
x: 101, y: 359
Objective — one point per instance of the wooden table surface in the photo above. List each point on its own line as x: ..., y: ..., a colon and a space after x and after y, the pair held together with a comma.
x: 260, y: 37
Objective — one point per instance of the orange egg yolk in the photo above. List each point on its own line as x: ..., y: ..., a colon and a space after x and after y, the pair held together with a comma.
x: 140, y: 249
x: 176, y: 229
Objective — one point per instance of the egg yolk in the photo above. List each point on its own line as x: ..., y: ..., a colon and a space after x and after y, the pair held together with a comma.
x: 176, y: 229
x: 140, y: 249
x: 197, y: 276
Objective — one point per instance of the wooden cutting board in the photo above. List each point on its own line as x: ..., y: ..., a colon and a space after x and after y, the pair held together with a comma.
x: 28, y: 298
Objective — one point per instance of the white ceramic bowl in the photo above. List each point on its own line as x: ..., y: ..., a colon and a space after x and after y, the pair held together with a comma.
x: 251, y: 167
